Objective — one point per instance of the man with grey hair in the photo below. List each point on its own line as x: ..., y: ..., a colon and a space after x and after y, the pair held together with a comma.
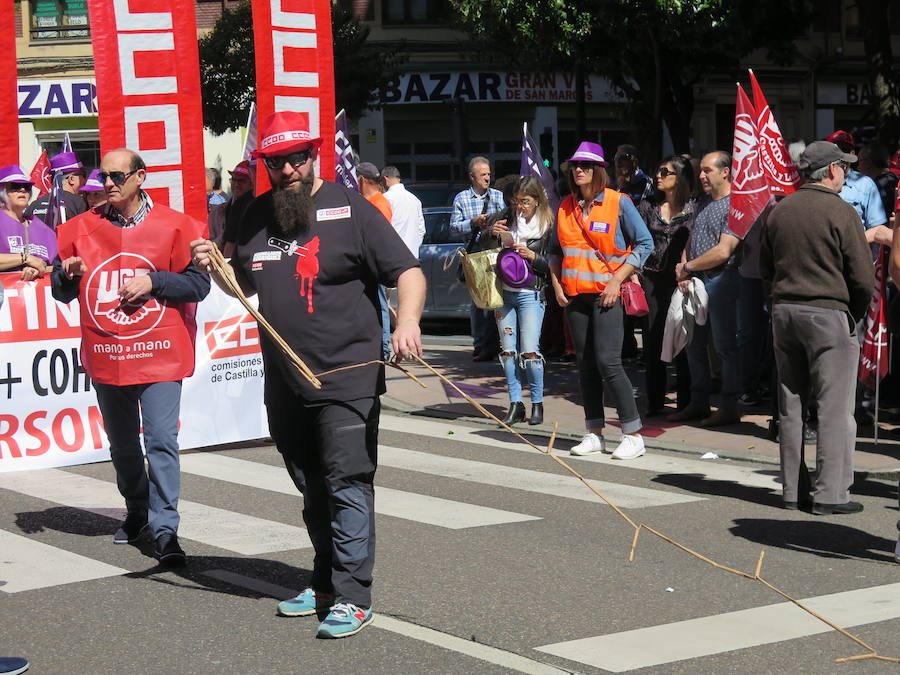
x: 471, y: 210
x: 814, y: 256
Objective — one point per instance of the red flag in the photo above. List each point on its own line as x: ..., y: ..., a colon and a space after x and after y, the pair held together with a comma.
x: 295, y: 69
x: 40, y: 174
x: 874, y: 361
x: 9, y: 109
x: 780, y: 171
x: 148, y: 94
x: 749, y: 188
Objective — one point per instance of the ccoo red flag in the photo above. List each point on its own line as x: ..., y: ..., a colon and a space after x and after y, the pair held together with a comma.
x: 749, y: 187
x: 874, y: 361
x: 40, y: 174
x: 780, y: 171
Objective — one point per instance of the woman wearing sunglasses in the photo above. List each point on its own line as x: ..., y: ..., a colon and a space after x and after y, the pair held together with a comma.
x: 669, y: 216
x: 603, y: 241
x: 26, y: 244
x: 527, y: 233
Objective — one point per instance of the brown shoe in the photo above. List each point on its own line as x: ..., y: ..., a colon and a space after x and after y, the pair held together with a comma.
x: 692, y: 412
x: 721, y: 418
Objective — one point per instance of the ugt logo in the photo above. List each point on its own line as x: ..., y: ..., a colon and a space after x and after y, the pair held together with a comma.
x: 113, y: 316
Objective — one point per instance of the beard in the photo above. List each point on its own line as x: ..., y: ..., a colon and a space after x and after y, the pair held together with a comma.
x: 293, y: 208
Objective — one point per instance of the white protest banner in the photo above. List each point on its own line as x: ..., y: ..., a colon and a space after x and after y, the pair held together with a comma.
x: 48, y: 410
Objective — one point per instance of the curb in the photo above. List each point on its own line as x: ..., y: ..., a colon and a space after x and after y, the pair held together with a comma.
x: 545, y: 430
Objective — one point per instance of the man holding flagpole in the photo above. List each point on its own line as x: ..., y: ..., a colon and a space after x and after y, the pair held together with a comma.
x: 68, y: 178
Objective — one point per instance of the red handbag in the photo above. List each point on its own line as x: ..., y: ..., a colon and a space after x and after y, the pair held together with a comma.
x: 634, y: 301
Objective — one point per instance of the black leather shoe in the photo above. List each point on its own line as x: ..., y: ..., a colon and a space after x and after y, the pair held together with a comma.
x: 516, y: 413
x: 169, y: 552
x: 537, y: 414
x: 133, y: 529
x: 828, y: 509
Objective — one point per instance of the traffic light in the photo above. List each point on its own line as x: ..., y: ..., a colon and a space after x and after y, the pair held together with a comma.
x: 545, y: 140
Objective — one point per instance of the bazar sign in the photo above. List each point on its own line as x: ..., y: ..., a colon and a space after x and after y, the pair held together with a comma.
x: 493, y: 86
x: 57, y: 98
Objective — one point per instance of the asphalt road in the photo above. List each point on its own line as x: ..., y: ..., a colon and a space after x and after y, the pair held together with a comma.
x: 491, y: 559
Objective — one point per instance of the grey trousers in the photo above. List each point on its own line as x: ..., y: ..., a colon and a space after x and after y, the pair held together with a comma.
x: 155, y: 407
x: 817, y: 353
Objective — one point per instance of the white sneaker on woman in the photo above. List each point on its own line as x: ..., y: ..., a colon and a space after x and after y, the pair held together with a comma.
x: 631, y: 447
x: 591, y: 443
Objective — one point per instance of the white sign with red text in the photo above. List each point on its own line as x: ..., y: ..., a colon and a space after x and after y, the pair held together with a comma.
x: 48, y: 410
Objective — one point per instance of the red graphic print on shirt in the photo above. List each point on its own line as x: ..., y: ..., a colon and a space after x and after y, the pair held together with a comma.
x: 308, y: 270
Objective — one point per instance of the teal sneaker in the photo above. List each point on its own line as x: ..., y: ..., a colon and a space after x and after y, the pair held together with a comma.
x: 345, y: 620
x: 307, y: 603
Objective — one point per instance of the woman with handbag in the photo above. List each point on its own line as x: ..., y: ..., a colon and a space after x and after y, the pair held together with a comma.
x: 524, y: 272
x: 602, y: 242
x: 669, y: 216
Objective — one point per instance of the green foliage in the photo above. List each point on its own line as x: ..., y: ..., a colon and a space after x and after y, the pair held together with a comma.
x: 228, y: 73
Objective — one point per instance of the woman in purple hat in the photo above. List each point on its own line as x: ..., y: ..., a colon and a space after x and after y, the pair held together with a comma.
x: 93, y: 190
x: 26, y: 244
x: 525, y: 276
x: 602, y: 241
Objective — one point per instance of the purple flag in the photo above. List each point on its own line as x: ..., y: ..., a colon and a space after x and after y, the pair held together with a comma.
x: 533, y: 165
x: 250, y: 139
x: 56, y: 207
x: 67, y: 143
x: 345, y: 162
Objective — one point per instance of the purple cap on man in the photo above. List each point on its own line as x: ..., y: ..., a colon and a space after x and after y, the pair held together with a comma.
x: 66, y: 162
x: 14, y: 174
x: 589, y: 152
x: 93, y: 184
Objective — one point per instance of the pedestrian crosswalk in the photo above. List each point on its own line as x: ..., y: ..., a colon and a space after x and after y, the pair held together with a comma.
x: 468, y: 492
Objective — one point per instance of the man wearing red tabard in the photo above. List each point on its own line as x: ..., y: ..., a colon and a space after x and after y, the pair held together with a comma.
x: 129, y: 263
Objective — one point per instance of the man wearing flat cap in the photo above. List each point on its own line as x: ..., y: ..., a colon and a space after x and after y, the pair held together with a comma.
x: 315, y: 253
x: 73, y: 178
x: 815, y: 257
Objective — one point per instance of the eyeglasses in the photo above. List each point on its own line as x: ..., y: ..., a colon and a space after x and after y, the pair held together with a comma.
x: 18, y: 187
x: 664, y: 171
x: 528, y: 201
x: 584, y: 166
x: 117, y: 177
x: 844, y: 166
x: 295, y: 159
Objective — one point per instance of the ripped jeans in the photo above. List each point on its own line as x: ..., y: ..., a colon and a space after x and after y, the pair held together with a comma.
x: 519, y: 324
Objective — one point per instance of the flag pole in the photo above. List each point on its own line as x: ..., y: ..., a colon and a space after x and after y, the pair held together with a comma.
x: 877, y: 388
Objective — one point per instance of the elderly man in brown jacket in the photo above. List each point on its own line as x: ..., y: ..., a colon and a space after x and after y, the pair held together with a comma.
x: 814, y: 255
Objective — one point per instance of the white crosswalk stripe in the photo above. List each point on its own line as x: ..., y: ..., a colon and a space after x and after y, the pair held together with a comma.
x: 407, y: 505
x: 26, y: 564
x: 657, y: 645
x: 225, y: 529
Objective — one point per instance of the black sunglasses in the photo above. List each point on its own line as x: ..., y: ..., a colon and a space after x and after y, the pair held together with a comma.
x: 295, y: 159
x: 664, y: 171
x: 18, y: 187
x: 584, y: 166
x: 117, y: 177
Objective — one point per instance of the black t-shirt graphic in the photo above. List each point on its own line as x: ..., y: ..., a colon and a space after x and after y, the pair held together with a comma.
x: 319, y: 289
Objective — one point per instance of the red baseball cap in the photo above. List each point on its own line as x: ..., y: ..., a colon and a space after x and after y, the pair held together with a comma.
x: 242, y: 168
x: 285, y: 132
x: 842, y: 137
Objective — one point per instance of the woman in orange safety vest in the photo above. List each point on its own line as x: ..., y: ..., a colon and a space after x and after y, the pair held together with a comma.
x: 602, y: 242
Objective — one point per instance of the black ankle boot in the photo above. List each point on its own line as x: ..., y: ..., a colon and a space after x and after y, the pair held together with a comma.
x: 515, y: 414
x: 537, y: 414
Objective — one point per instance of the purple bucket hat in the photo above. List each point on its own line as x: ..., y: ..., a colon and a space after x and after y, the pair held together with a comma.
x: 66, y: 162
x: 513, y: 269
x: 589, y: 152
x: 14, y: 174
x: 93, y: 183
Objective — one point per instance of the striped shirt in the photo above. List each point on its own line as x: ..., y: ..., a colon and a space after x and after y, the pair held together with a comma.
x: 113, y: 214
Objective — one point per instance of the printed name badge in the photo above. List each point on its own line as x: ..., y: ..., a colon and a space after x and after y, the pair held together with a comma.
x: 333, y: 214
x: 597, y: 226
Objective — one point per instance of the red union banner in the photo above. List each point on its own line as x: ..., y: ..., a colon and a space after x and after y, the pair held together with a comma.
x: 148, y: 94
x: 874, y: 359
x: 9, y: 111
x: 749, y: 188
x: 295, y: 69
x: 779, y: 167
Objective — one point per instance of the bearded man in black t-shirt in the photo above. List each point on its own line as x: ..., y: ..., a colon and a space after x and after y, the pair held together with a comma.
x: 315, y: 253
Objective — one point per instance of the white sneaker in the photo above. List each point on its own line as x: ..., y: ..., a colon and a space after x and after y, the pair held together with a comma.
x: 631, y: 447
x: 590, y: 444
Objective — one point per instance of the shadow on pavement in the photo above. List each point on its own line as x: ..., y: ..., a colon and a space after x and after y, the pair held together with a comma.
x: 817, y: 537
x: 71, y: 521
x: 699, y: 484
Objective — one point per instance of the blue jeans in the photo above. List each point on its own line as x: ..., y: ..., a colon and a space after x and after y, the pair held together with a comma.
x: 723, y: 290
x: 385, y: 324
x: 519, y: 324
x: 155, y: 407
